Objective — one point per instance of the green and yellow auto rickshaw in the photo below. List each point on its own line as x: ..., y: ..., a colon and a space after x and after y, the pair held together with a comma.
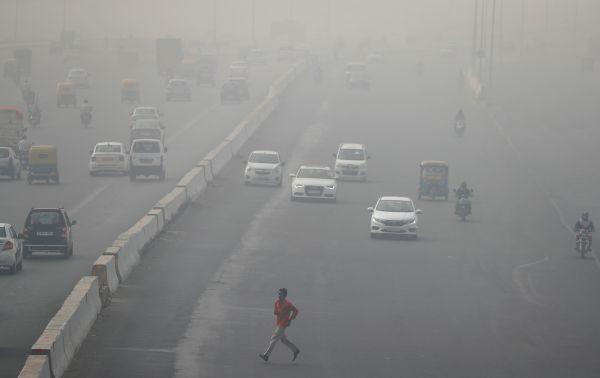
x: 43, y: 164
x: 433, y: 180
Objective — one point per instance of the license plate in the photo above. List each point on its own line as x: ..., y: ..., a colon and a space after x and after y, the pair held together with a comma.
x: 44, y: 233
x: 146, y: 161
x: 313, y: 192
x: 107, y: 159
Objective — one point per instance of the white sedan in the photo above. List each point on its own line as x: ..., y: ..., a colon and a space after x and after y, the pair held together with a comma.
x: 109, y: 157
x: 394, y: 216
x: 11, y: 248
x: 314, y: 182
x: 145, y: 112
x: 263, y: 167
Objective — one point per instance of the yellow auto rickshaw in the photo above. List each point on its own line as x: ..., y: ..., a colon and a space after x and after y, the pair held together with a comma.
x: 130, y: 90
x: 43, y: 164
x: 433, y: 180
x: 65, y: 94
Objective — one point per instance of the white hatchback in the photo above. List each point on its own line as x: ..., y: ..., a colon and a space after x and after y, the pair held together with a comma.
x: 11, y: 248
x: 394, y: 216
x: 351, y: 162
x: 264, y: 167
x: 109, y: 157
x: 313, y: 182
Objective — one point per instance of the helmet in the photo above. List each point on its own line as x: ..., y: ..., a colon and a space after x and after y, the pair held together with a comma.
x: 585, y: 216
x: 282, y: 292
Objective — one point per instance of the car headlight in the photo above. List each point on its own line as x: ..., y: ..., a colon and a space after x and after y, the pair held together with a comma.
x: 298, y: 185
x: 377, y: 220
x: 248, y: 169
x: 330, y: 186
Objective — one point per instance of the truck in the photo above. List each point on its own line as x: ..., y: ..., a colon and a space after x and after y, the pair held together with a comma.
x: 12, y: 128
x: 169, y: 54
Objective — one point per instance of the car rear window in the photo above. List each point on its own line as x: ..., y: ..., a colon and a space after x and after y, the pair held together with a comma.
x: 108, y: 148
x: 2, y: 232
x: 45, y: 217
x: 145, y: 133
x: 146, y: 147
x: 3, y: 153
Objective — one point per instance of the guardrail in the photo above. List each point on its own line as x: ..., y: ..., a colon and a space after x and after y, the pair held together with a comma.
x: 53, y: 351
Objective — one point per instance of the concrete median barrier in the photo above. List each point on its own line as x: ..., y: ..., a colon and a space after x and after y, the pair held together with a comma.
x: 193, y: 182
x: 68, y: 328
x: 127, y: 256
x: 160, y: 218
x: 208, y: 174
x: 237, y: 138
x: 146, y: 229
x: 219, y: 157
x: 172, y: 203
x: 105, y: 268
x: 36, y: 367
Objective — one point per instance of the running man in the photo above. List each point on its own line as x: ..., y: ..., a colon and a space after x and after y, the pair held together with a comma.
x: 285, y: 312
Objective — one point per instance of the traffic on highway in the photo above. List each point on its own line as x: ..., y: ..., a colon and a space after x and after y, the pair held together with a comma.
x: 315, y: 189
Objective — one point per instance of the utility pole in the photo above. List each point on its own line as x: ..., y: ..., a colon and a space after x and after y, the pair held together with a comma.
x: 474, y: 47
x: 329, y: 20
x: 522, y: 32
x: 16, y: 19
x: 547, y: 25
x: 254, y: 23
x: 492, y: 40
x: 215, y: 23
x: 481, y: 52
x: 64, y: 16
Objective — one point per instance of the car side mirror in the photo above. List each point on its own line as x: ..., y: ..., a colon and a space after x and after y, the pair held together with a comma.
x: 418, y: 211
x: 370, y: 209
x: 73, y: 223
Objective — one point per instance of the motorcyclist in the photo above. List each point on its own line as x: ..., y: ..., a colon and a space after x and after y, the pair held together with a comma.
x: 27, y: 93
x: 23, y: 148
x: 585, y: 224
x: 460, y: 117
x: 86, y: 111
x: 463, y: 191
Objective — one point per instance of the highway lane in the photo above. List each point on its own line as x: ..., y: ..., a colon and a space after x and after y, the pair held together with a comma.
x: 104, y: 206
x: 499, y: 296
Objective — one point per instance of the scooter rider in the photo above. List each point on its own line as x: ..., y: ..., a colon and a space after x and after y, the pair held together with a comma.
x: 584, y: 223
x: 460, y: 117
x: 86, y: 110
x: 463, y: 191
x: 23, y: 147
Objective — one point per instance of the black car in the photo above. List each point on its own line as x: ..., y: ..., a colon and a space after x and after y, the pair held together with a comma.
x: 48, y: 230
x: 235, y: 90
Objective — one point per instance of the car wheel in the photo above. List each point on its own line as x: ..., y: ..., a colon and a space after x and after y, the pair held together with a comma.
x: 13, y: 269
x: 20, y: 265
x: 162, y: 175
x: 26, y: 253
x: 19, y: 173
x: 66, y: 253
x: 11, y: 169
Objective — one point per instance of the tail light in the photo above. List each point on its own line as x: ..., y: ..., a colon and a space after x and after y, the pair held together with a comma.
x: 65, y: 232
x: 25, y: 233
x: 7, y: 245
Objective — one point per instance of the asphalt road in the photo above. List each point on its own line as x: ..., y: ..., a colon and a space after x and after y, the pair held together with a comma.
x: 104, y: 206
x: 502, y: 295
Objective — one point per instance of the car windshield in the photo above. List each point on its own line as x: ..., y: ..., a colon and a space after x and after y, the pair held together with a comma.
x: 317, y: 173
x: 108, y: 148
x: 263, y: 158
x: 435, y: 170
x: 144, y: 111
x: 2, y: 232
x: 4, y: 153
x: 395, y: 206
x: 45, y: 218
x: 351, y: 154
x: 356, y: 68
x: 147, y: 124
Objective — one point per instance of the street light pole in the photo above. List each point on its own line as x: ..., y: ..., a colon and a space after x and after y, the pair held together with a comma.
x: 481, y: 53
x: 254, y: 22
x: 522, y: 31
x: 474, y: 47
x: 16, y: 19
x: 492, y: 40
x: 215, y: 23
x: 64, y: 18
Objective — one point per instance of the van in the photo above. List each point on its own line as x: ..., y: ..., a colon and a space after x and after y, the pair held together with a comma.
x: 351, y: 162
x: 147, y: 158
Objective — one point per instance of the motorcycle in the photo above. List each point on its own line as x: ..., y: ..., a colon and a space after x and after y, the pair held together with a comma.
x: 34, y: 116
x: 24, y: 159
x: 463, y: 207
x: 460, y: 127
x: 582, y: 242
x: 86, y: 119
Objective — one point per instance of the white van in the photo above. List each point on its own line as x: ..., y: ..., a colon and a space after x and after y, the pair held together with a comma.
x: 147, y: 158
x: 351, y: 162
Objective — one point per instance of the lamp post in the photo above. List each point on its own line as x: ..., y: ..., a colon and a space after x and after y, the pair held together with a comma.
x: 16, y: 19
x: 64, y: 16
x: 254, y: 22
x: 474, y: 47
x: 492, y: 40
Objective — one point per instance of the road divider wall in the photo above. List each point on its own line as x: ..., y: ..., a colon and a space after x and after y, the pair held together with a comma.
x: 68, y: 328
x: 53, y: 351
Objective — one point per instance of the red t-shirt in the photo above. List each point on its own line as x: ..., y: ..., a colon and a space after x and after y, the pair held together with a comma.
x: 285, y: 312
